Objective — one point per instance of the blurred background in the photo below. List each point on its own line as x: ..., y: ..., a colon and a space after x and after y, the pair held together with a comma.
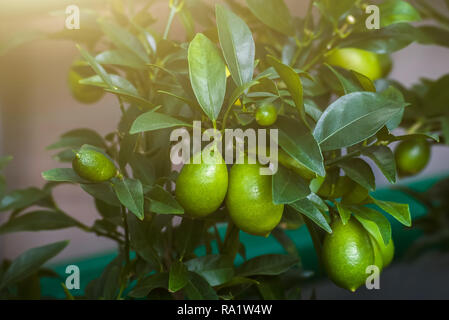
x: 36, y: 107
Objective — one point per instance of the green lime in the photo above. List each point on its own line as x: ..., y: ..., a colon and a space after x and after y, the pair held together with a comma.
x: 362, y: 61
x: 250, y: 202
x: 93, y: 166
x: 346, y: 253
x: 412, y: 156
x: 378, y: 257
x: 81, y: 92
x: 201, y: 187
x: 266, y: 115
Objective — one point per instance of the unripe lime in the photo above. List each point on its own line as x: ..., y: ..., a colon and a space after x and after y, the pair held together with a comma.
x: 81, y: 92
x: 93, y: 166
x: 361, y: 61
x: 346, y: 254
x: 378, y: 257
x: 386, y: 64
x: 412, y: 156
x: 266, y: 115
x: 201, y: 187
x: 250, y: 202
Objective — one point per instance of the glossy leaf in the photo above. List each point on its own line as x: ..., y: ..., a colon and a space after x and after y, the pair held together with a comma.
x: 371, y: 218
x: 96, y: 66
x: 199, y: 289
x: 216, y: 269
x: 152, y: 120
x: 237, y: 44
x: 307, y: 208
x: 293, y: 82
x: 163, y: 202
x: 270, y: 264
x: 354, y: 118
x: 288, y: 187
x: 118, y: 58
x: 383, y: 157
x: 359, y: 171
x: 103, y: 192
x: 117, y: 82
x: 344, y: 211
x: 274, y: 13
x: 30, y: 261
x: 148, y: 284
x: 63, y: 175
x: 400, y: 211
x: 37, y: 221
x: 178, y: 277
x: 299, y: 143
x: 207, y: 74
x: 396, y: 11
x: 130, y: 194
x: 23, y: 198
x: 78, y: 137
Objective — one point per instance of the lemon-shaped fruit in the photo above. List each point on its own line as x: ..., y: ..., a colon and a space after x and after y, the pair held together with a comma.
x: 266, y: 115
x: 362, y: 61
x: 202, y: 184
x: 346, y: 254
x: 81, y: 92
x: 250, y: 202
x: 378, y: 257
x: 93, y: 166
x: 412, y: 156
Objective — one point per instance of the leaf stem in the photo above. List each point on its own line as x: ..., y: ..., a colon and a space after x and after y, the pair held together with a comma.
x: 174, y: 7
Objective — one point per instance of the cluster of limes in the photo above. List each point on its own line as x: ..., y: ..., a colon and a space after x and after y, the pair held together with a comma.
x: 350, y: 249
x: 202, y: 186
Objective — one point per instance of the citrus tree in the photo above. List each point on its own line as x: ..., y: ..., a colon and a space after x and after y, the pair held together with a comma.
x: 320, y: 79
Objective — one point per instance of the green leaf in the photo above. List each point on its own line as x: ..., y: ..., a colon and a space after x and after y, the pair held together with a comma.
x: 434, y: 35
x: 23, y: 198
x: 30, y: 261
x: 37, y: 221
x: 385, y: 40
x: 293, y: 82
x: 383, y: 157
x: 299, y: 143
x: 207, y: 74
x: 395, y: 11
x: 359, y: 171
x: 307, y: 208
x: 237, y: 44
x: 130, y: 194
x: 118, y: 58
x: 347, y: 84
x: 370, y: 219
x: 333, y: 11
x: 123, y: 39
x: 152, y: 120
x: 400, y: 211
x: 344, y: 211
x: 143, y: 168
x: 63, y: 175
x: 178, y: 277
x: 274, y: 13
x: 76, y: 138
x: 163, y: 202
x: 199, y: 289
x: 96, y: 66
x: 216, y: 269
x: 148, y: 284
x: 445, y: 129
x: 394, y: 94
x: 117, y: 81
x: 103, y: 192
x: 288, y: 186
x: 437, y: 96
x: 189, y: 235
x: 270, y: 265
x: 354, y: 118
